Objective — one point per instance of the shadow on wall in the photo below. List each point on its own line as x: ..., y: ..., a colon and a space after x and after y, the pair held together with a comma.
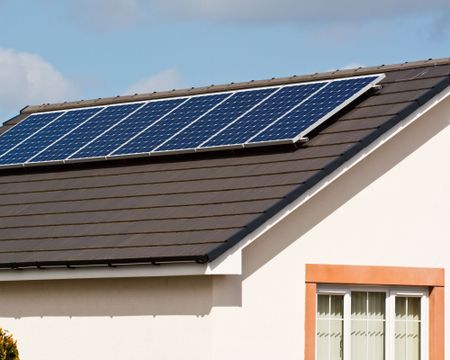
x: 189, y: 295
x: 343, y: 189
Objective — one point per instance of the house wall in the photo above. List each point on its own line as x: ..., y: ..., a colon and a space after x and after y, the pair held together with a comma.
x: 391, y: 209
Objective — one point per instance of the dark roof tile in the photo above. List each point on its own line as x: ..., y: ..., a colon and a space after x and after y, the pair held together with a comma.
x: 190, y: 208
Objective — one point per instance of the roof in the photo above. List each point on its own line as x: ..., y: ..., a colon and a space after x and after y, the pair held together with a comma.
x: 190, y: 207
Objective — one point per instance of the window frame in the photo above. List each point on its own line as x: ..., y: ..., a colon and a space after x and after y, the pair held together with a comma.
x: 381, y: 276
x: 391, y: 293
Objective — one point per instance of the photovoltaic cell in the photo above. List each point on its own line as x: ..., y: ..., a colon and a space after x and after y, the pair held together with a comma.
x: 245, y: 117
x: 128, y: 128
x: 24, y: 129
x: 215, y: 120
x: 47, y: 136
x: 170, y: 125
x: 313, y: 109
x: 263, y: 115
x: 85, y: 133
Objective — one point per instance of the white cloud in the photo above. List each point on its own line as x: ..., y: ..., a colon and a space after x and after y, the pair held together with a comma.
x: 296, y: 10
x: 165, y: 80
x: 26, y: 78
x: 115, y: 14
x: 105, y: 15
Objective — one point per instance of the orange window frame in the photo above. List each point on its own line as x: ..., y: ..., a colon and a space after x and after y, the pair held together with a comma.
x: 432, y: 278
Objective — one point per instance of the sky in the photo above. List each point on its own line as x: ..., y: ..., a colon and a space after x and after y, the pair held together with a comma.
x: 62, y: 50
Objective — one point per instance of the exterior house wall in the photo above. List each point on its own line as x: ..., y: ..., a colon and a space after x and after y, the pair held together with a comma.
x: 391, y: 209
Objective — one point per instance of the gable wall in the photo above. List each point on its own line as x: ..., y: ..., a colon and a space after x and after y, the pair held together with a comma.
x: 391, y: 209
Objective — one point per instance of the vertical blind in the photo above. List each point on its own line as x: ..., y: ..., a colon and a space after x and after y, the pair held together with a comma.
x: 368, y: 317
x: 407, y: 328
x: 330, y: 321
x: 356, y: 324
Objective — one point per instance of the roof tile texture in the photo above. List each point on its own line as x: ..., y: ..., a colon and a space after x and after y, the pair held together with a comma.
x: 192, y: 209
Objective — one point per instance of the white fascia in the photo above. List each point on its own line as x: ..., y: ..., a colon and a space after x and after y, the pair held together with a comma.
x: 229, y: 263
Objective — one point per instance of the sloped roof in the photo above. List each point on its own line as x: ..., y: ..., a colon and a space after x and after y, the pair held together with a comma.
x: 191, y: 207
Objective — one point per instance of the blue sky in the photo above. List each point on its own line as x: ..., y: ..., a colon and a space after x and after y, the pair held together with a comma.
x: 56, y: 50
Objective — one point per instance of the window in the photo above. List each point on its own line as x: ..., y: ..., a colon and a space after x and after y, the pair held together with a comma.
x: 374, y: 312
x: 371, y: 323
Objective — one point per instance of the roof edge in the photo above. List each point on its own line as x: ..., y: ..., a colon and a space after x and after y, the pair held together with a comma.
x: 309, y: 189
x: 233, y: 86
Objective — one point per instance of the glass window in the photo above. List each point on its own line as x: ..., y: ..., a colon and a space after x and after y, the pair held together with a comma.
x: 369, y: 324
x: 330, y: 321
x: 407, y: 328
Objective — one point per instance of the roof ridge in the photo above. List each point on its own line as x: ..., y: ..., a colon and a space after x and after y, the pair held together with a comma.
x: 339, y: 73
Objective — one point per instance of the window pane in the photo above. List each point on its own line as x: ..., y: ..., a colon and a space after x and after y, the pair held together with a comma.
x: 336, y: 339
x: 368, y: 325
x: 407, y: 328
x: 377, y: 303
x: 329, y: 337
x: 322, y: 340
x: 375, y: 340
x: 336, y: 307
x: 358, y: 340
x: 400, y: 308
x: 359, y: 305
x: 413, y: 341
x: 323, y: 306
x: 400, y: 340
x: 413, y: 309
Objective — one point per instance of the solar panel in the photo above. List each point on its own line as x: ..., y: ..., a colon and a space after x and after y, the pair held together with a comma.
x: 127, y: 129
x: 65, y: 147
x: 236, y: 118
x: 326, y: 102
x: 62, y: 125
x: 170, y: 125
x: 204, y: 128
x: 244, y: 128
x: 23, y: 130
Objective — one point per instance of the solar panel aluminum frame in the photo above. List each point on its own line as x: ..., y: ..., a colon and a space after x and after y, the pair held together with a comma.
x: 62, y: 161
x: 243, y: 145
x: 303, y: 135
x: 190, y: 150
x: 156, y: 152
x: 70, y: 157
x: 50, y: 162
x: 161, y: 118
x: 299, y: 138
x: 30, y: 136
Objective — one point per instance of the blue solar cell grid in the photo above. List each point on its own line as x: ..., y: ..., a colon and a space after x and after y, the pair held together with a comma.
x: 24, y: 129
x: 207, y: 126
x: 86, y: 132
x: 278, y: 113
x: 128, y: 128
x: 170, y: 125
x: 312, y: 110
x: 253, y: 122
x: 47, y: 136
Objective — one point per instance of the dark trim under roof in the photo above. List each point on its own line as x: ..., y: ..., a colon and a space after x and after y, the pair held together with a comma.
x: 194, y: 207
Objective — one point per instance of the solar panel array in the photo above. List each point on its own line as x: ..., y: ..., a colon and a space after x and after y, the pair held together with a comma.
x: 192, y: 123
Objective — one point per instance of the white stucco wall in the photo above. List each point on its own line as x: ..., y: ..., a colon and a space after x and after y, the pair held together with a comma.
x: 391, y: 209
